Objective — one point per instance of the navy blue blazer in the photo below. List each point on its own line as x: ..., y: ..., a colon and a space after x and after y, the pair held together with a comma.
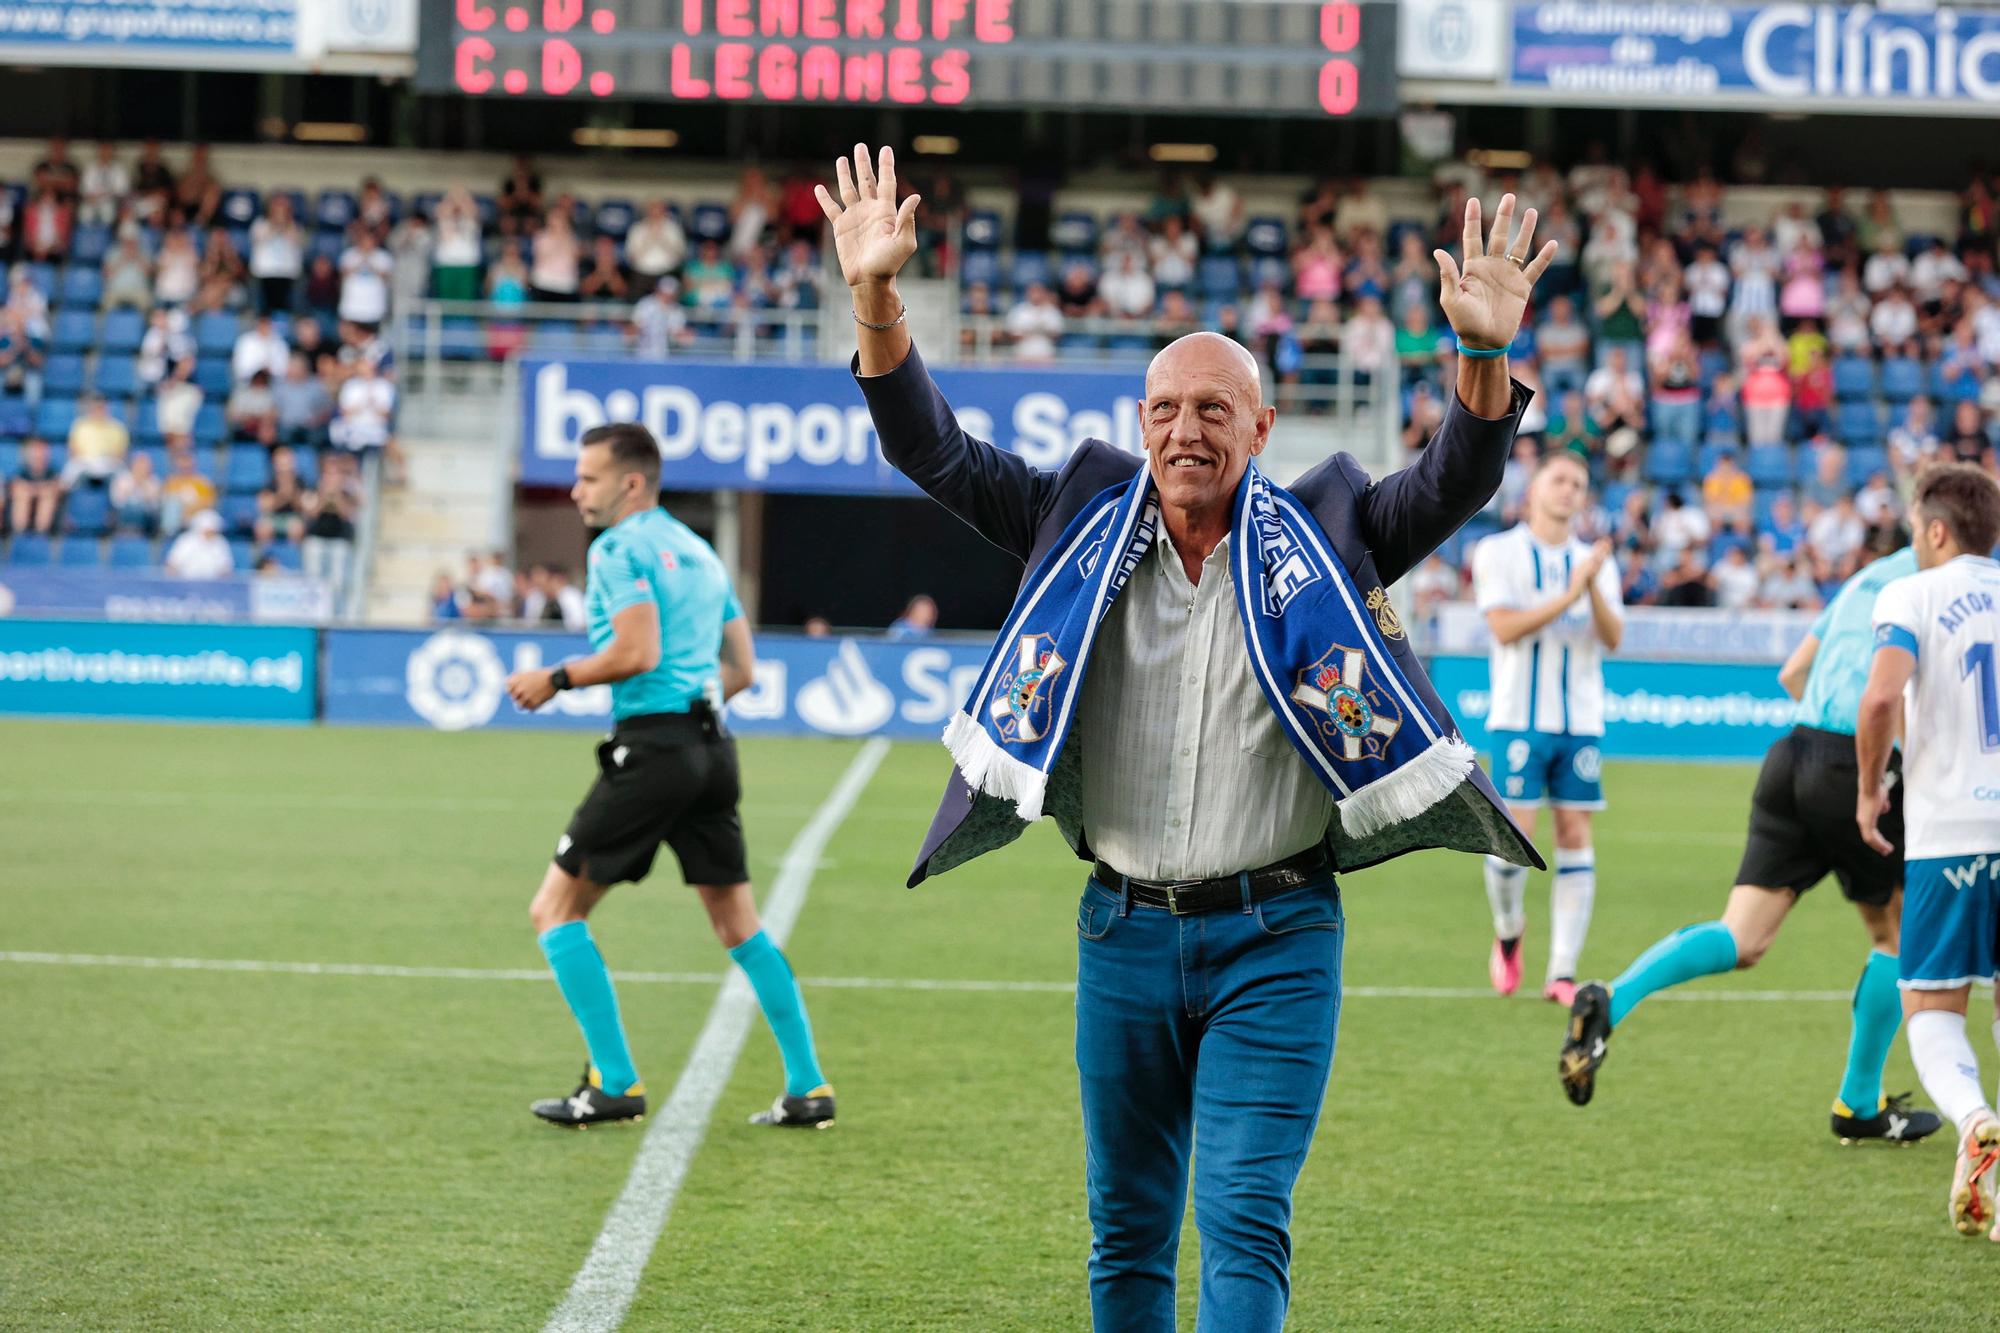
x: 1379, y: 530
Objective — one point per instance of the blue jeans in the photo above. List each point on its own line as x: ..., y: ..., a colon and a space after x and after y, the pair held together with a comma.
x: 1213, y: 1033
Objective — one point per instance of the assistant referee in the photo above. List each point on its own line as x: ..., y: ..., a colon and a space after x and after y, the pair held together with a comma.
x: 671, y: 641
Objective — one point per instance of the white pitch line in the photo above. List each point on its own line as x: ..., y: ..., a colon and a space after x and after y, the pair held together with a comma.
x: 818, y: 983
x: 603, y: 1288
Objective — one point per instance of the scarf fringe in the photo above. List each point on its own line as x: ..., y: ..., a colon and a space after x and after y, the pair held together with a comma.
x: 1410, y: 790
x: 988, y: 768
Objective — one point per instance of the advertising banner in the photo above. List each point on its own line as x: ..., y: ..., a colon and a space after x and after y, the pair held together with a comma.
x: 1652, y: 710
x: 802, y: 428
x: 1855, y: 58
x: 1661, y: 633
x: 258, y: 34
x: 222, y: 673
x: 134, y: 595
x: 453, y: 680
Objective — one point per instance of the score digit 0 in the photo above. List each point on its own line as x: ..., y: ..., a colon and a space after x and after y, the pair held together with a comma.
x: 1339, y: 80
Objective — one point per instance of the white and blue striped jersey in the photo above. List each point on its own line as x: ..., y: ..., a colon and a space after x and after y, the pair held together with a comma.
x: 1949, y: 618
x: 1553, y: 680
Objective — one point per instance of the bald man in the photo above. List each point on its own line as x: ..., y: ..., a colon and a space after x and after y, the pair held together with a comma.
x: 1209, y: 932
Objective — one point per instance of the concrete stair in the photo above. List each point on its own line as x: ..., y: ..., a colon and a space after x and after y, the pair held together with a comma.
x: 455, y: 502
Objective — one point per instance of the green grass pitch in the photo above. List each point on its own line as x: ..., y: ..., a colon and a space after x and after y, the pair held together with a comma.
x: 196, y: 1149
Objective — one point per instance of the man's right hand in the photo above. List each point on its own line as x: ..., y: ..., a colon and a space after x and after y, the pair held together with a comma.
x: 873, y: 237
x: 1585, y: 574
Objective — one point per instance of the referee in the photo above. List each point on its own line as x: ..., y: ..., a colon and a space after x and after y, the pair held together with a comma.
x: 671, y: 642
x: 1801, y: 830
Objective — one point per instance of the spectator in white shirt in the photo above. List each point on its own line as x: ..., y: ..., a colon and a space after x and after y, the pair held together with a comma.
x: 1793, y: 225
x: 1173, y: 253
x: 1707, y: 281
x: 364, y: 282
x: 1893, y: 322
x: 277, y: 254
x: 166, y: 344
x: 1127, y: 289
x: 1735, y: 580
x: 177, y: 404
x: 412, y: 245
x: 556, y: 266
x: 1680, y: 526
x: 1877, y: 503
x: 458, y: 251
x: 177, y: 272
x: 1833, y: 538
x: 259, y: 347
x: 1932, y: 270
x: 1124, y: 235
x: 363, y: 410
x: 658, y: 320
x: 1612, y: 383
x: 1847, y: 315
x: 656, y: 246
x: 1887, y: 267
x: 1359, y: 211
x: 1034, y: 324
x: 1218, y: 211
x: 1369, y: 340
x: 106, y: 182
x: 201, y: 552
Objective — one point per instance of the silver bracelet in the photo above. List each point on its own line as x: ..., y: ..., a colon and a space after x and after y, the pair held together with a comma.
x: 901, y: 315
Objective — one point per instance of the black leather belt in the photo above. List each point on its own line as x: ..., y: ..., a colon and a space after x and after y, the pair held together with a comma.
x: 1188, y: 897
x: 699, y: 720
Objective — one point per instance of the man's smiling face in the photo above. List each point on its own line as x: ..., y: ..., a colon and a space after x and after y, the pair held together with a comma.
x: 1203, y: 420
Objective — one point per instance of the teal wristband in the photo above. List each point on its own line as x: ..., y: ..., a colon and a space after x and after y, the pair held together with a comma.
x: 1481, y: 353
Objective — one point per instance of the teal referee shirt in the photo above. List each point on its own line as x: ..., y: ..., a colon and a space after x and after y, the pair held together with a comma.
x: 1846, y: 634
x: 653, y: 557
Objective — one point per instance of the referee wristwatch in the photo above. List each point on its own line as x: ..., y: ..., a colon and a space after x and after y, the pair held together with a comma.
x: 560, y: 678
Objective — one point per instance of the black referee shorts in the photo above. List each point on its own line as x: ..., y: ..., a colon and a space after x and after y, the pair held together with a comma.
x: 1802, y: 821
x: 661, y: 777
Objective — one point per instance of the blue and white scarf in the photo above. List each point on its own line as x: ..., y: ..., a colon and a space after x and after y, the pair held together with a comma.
x: 1315, y: 650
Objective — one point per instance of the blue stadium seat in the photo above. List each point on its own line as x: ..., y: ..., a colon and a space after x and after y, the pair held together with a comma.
x: 982, y: 230
x: 327, y: 243
x: 123, y: 331
x: 1218, y: 279
x: 43, y: 276
x: 59, y: 454
x: 426, y: 202
x: 980, y: 266
x: 307, y: 462
x: 1669, y: 462
x: 287, y: 556
x: 239, y: 513
x: 15, y: 418
x: 239, y: 207
x: 239, y: 239
x: 614, y: 217
x: 1770, y: 465
x: 148, y: 422
x: 74, y: 330
x: 488, y: 209
x: 131, y: 552
x: 215, y: 333
x: 244, y: 553
x: 209, y: 424
x: 1266, y: 236
x: 1074, y: 232
x: 1030, y: 266
x: 1271, y: 269
x: 1902, y: 379
x: 10, y: 459
x: 30, y: 550
x: 1857, y: 423
x: 82, y: 286
x: 1713, y: 361
x: 117, y: 375
x: 709, y: 222
x: 335, y: 209
x: 90, y: 244
x: 1853, y: 378
x: 81, y: 551
x: 212, y: 374
x: 1079, y: 342
x: 87, y: 510
x: 63, y: 376
x: 53, y: 420
x: 1711, y: 454
x: 1865, y: 460
x: 249, y: 469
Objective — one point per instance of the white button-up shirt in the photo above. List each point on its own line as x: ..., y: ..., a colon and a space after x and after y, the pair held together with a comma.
x: 1186, y: 772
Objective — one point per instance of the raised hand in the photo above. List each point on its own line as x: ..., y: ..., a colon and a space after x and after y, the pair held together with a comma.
x: 1485, y: 299
x: 873, y: 237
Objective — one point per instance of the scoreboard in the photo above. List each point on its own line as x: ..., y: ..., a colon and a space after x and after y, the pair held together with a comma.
x: 1248, y: 57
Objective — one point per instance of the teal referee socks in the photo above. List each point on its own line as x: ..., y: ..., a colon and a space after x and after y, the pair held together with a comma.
x: 763, y: 962
x: 1878, y: 1012
x: 586, y: 985
x: 1692, y: 951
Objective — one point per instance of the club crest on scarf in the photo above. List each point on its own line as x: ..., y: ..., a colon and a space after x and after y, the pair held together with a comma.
x: 1020, y: 708
x: 1357, y: 718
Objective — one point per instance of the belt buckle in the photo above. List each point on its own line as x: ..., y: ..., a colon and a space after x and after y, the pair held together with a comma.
x: 1173, y: 902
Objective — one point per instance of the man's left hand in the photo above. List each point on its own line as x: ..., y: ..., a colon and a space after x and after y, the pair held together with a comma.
x: 1869, y: 807
x: 1485, y: 298
x: 531, y: 689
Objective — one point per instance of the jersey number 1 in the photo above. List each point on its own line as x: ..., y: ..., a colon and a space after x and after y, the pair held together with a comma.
x: 1979, y: 665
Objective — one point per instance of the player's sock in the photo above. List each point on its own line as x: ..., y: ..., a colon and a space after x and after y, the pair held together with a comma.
x: 1692, y: 951
x: 784, y: 1009
x: 1572, y: 893
x: 586, y: 985
x: 1878, y: 1011
x: 1507, y: 894
x: 1947, y: 1067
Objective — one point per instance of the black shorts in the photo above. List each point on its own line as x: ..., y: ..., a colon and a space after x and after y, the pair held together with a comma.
x: 664, y: 777
x: 1802, y: 821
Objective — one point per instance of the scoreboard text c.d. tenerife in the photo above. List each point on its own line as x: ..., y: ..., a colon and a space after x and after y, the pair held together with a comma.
x: 1251, y: 57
